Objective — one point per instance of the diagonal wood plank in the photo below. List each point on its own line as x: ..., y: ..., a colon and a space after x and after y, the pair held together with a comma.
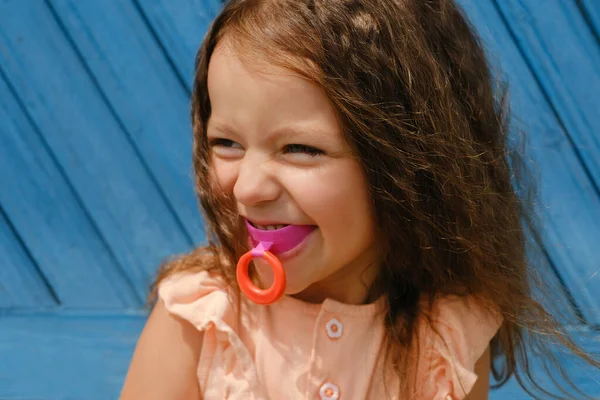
x: 584, y: 377
x: 143, y: 91
x: 51, y: 223
x: 565, y: 63
x: 591, y: 11
x: 570, y: 205
x: 88, y: 143
x: 180, y: 26
x: 21, y: 284
x: 550, y: 290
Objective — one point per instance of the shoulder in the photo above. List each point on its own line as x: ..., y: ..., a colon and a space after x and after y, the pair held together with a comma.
x: 465, y: 317
x: 164, y: 361
x: 453, y: 338
x: 167, y: 354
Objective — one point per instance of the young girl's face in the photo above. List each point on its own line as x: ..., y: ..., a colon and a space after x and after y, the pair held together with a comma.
x: 277, y: 147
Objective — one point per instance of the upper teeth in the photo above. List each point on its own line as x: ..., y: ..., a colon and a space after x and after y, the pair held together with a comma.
x: 269, y: 227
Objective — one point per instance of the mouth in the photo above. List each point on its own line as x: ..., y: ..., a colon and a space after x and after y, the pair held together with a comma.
x: 283, y: 237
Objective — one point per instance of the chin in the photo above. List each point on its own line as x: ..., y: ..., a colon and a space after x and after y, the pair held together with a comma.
x: 292, y: 289
x: 294, y: 284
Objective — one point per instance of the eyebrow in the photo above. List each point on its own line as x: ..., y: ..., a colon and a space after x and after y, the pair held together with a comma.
x: 220, y: 127
x: 283, y: 132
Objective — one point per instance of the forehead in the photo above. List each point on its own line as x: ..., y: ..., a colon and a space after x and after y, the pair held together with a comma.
x: 242, y: 58
x: 256, y: 94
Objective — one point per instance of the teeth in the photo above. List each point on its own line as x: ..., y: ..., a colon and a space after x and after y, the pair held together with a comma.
x: 270, y: 227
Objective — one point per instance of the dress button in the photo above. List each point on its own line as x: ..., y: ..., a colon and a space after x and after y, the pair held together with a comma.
x: 329, y: 392
x: 334, y: 328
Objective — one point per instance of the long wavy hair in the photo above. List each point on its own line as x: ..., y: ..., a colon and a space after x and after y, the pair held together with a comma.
x: 418, y: 104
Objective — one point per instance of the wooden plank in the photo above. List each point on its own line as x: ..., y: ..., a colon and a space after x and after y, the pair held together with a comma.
x: 584, y: 377
x: 21, y: 284
x: 565, y: 62
x: 591, y: 12
x: 550, y: 290
x: 53, y: 356
x: 570, y: 204
x: 51, y: 223
x: 144, y: 92
x: 88, y: 143
x: 180, y: 26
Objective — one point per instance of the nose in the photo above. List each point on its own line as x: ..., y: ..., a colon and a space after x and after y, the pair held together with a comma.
x: 256, y: 182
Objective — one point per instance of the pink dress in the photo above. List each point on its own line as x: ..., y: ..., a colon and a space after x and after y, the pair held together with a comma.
x: 328, y: 351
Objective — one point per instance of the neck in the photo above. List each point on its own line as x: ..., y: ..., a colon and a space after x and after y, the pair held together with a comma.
x: 348, y: 288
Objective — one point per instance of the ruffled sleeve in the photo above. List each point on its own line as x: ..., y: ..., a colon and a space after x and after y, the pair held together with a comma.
x: 446, y: 368
x: 196, y: 297
x: 225, y: 368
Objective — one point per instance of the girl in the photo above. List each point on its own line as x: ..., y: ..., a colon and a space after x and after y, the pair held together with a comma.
x: 372, y: 126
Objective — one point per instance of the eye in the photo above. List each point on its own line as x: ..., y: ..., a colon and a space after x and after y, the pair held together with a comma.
x: 225, y: 147
x: 303, y: 149
x: 220, y: 142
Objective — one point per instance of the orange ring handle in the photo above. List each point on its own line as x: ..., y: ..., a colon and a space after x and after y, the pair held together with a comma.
x: 257, y: 295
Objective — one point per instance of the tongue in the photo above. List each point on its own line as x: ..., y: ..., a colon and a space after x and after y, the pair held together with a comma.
x: 283, y: 239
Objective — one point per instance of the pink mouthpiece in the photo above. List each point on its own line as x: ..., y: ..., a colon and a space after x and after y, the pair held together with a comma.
x: 279, y: 240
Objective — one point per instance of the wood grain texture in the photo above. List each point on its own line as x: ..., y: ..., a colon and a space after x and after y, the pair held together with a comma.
x: 21, y: 284
x: 76, y: 356
x: 52, y: 225
x: 590, y: 9
x: 143, y: 91
x: 180, y: 26
x: 569, y: 202
x: 88, y: 142
x: 565, y: 63
x: 583, y: 376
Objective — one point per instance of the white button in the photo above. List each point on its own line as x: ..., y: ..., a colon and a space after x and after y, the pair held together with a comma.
x: 329, y: 392
x: 334, y: 328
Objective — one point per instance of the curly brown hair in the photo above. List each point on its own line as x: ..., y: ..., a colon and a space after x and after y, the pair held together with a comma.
x: 419, y: 107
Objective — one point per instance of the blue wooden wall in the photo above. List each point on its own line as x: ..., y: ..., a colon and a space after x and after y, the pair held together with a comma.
x: 96, y: 185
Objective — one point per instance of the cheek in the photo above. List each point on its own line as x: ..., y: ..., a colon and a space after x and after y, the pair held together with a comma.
x: 337, y: 199
x: 225, y: 174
